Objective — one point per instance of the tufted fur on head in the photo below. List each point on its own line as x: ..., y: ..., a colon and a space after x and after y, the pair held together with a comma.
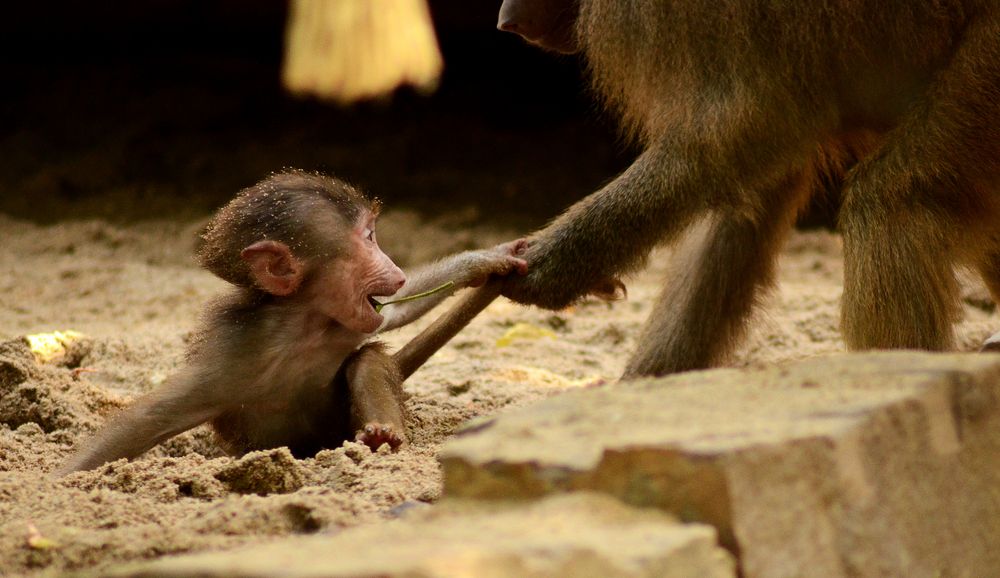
x: 308, y: 212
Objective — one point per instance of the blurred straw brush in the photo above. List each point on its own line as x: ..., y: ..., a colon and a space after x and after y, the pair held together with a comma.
x: 346, y: 50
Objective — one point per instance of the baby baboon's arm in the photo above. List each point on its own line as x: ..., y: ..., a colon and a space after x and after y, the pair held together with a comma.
x: 175, y: 407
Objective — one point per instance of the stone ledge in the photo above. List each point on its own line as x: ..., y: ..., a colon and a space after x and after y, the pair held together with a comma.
x: 884, y: 464
x: 575, y: 535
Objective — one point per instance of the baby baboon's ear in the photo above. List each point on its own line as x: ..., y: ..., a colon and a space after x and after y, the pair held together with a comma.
x: 273, y: 267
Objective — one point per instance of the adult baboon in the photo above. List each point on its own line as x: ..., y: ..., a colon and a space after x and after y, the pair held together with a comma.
x: 742, y: 108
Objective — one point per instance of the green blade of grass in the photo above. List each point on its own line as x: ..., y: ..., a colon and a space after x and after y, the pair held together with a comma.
x: 449, y: 284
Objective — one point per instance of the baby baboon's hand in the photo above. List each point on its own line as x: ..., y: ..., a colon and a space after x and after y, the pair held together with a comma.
x: 502, y: 260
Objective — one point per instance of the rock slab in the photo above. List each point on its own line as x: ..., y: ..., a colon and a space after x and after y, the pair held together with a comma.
x: 577, y: 535
x: 876, y: 465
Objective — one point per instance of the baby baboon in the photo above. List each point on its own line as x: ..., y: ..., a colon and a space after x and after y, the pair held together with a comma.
x: 283, y: 360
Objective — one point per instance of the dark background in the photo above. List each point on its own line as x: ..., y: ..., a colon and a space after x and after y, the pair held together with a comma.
x: 132, y: 110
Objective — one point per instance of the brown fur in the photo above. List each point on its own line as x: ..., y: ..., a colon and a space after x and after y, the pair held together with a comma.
x: 744, y: 109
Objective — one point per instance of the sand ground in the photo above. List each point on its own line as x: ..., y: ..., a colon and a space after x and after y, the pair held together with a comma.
x: 136, y: 292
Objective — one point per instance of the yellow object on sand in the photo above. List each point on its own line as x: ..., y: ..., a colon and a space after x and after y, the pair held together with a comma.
x: 346, y: 50
x: 49, y: 347
x: 38, y: 542
x: 524, y: 331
